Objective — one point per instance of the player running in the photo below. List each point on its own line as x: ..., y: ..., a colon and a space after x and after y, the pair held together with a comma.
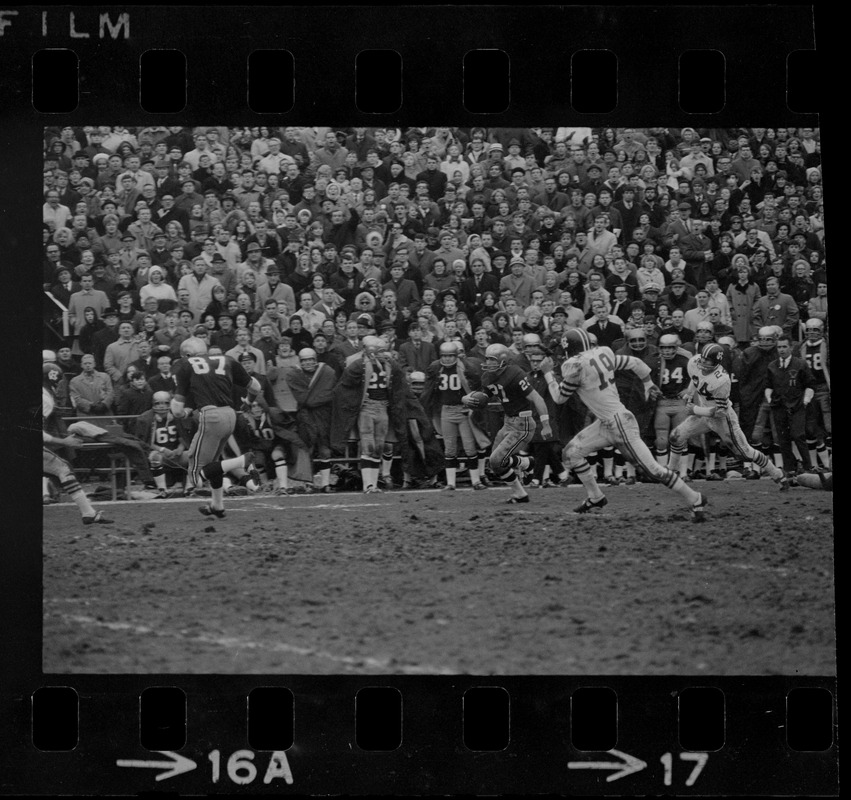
x: 52, y: 464
x: 512, y: 388
x: 207, y: 382
x: 708, y: 402
x: 589, y: 372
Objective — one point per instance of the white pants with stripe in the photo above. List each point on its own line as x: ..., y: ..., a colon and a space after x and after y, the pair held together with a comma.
x: 621, y: 432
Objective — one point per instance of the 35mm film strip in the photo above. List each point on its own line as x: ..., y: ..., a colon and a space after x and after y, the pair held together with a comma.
x: 403, y: 642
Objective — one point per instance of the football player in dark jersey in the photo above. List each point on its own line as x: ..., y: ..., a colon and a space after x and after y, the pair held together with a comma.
x: 510, y: 385
x: 167, y: 440
x: 206, y: 384
x: 446, y: 383
x: 814, y: 351
x: 674, y: 382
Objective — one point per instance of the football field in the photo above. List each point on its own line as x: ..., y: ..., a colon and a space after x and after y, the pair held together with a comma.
x: 430, y: 582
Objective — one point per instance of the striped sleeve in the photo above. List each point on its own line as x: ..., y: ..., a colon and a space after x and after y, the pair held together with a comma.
x: 631, y: 363
x: 571, y: 380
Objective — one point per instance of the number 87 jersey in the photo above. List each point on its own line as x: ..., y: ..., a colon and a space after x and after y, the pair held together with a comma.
x: 591, y: 375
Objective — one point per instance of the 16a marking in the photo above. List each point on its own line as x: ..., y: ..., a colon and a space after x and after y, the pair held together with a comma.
x: 241, y: 769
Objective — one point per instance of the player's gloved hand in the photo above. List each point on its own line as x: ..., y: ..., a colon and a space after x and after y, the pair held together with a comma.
x: 546, y: 365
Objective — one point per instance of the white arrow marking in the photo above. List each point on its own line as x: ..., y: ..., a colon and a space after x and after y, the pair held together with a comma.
x: 176, y: 766
x: 626, y: 767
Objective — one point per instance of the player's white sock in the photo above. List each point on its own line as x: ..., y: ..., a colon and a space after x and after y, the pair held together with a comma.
x: 686, y: 492
x: 710, y: 462
x: 630, y: 470
x: 281, y: 474
x: 451, y: 472
x: 325, y: 477
x: 474, y: 477
x: 226, y: 484
x: 218, y: 497
x: 662, y: 458
x: 230, y: 464
x: 160, y: 481
x: 45, y: 487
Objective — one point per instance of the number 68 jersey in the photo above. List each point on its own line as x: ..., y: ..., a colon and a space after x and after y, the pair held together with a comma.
x: 591, y: 375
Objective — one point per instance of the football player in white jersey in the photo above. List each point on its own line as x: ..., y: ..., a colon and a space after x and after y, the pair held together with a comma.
x: 708, y: 403
x: 52, y: 464
x: 589, y: 372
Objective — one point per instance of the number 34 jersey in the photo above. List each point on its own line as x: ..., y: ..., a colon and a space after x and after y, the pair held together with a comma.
x: 208, y: 380
x: 591, y: 375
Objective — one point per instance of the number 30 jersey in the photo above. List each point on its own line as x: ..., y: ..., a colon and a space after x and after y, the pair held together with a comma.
x: 208, y: 380
x: 711, y: 390
x: 591, y: 375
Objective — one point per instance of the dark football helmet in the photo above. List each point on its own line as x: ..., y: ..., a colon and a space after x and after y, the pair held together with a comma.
x: 576, y: 341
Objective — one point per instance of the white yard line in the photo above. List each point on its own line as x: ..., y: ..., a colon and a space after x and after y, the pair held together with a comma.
x: 237, y: 643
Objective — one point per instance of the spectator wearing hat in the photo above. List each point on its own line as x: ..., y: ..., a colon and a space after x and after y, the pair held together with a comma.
x: 677, y: 226
x: 405, y: 290
x: 650, y: 297
x: 518, y: 282
x: 696, y: 156
x: 64, y: 286
x: 157, y: 287
x: 254, y: 261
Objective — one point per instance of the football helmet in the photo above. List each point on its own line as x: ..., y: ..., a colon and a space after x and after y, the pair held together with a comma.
x: 668, y: 344
x: 576, y: 341
x: 193, y: 346
x: 48, y: 356
x: 814, y: 330
x: 51, y: 374
x: 417, y: 380
x: 728, y: 341
x: 496, y: 358
x: 704, y: 332
x: 448, y: 354
x: 637, y: 339
x: 766, y: 337
x: 372, y: 345
x: 161, y: 401
x: 531, y: 343
x: 307, y: 359
x: 711, y: 357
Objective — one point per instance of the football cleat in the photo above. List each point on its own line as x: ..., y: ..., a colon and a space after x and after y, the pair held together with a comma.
x: 250, y: 470
x: 97, y: 518
x: 513, y: 500
x: 372, y: 490
x: 589, y: 505
x: 783, y: 482
x: 450, y: 487
x: 479, y: 486
x: 697, y: 510
x: 209, y: 511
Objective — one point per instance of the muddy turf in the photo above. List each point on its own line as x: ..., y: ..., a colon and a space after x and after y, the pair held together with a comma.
x: 439, y: 583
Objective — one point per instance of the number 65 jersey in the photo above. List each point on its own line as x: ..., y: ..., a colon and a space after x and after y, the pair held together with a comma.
x: 591, y: 375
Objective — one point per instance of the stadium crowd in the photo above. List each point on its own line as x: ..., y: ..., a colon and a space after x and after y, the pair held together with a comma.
x: 360, y: 275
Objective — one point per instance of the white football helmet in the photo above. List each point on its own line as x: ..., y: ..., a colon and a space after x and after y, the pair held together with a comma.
x: 532, y: 343
x: 766, y: 337
x: 193, y: 346
x: 372, y: 345
x: 161, y: 402
x: 704, y: 332
x: 307, y: 359
x: 496, y: 358
x: 668, y: 344
x: 448, y: 354
x: 814, y: 330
